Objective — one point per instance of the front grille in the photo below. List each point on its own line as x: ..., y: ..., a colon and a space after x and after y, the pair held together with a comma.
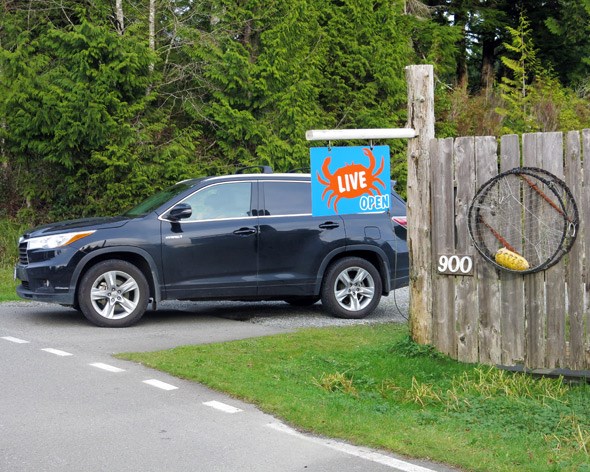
x: 22, y: 253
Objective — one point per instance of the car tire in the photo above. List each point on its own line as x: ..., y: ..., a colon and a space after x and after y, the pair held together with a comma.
x: 302, y: 301
x: 351, y: 288
x: 113, y: 293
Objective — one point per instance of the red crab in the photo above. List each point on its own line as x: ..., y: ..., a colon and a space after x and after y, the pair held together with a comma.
x: 350, y: 181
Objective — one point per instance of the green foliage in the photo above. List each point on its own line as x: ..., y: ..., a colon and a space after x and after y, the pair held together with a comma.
x: 534, y: 100
x: 568, y: 43
x: 409, y: 348
x: 432, y: 42
x: 262, y: 84
x: 9, y: 234
x: 69, y: 103
x: 300, y: 65
x: 462, y: 114
x: 557, y: 108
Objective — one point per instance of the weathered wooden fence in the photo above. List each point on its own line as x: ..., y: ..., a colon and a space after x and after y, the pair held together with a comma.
x: 540, y: 320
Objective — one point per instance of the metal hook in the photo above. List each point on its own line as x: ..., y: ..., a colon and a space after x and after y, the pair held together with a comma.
x: 329, y: 146
x: 572, y: 229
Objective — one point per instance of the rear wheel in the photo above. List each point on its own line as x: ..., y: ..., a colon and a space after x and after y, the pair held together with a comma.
x: 351, y: 288
x: 113, y: 293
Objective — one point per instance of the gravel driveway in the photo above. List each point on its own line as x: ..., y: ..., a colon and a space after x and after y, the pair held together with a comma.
x: 393, y: 308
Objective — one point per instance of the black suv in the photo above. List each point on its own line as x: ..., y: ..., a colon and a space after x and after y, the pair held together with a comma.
x: 235, y: 237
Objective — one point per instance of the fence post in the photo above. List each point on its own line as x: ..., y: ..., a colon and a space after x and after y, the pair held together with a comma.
x: 420, y: 81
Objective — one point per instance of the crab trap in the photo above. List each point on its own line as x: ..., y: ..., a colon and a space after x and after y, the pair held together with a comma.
x: 523, y: 220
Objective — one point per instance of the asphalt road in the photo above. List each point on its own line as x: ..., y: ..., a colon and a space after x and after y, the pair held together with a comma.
x: 67, y: 405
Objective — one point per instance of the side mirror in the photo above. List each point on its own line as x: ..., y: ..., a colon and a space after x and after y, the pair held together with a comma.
x: 180, y: 212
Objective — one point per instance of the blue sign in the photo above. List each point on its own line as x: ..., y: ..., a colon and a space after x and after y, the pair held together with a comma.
x: 348, y: 180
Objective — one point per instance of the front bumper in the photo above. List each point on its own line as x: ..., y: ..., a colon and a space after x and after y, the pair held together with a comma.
x: 47, y: 280
x: 61, y: 298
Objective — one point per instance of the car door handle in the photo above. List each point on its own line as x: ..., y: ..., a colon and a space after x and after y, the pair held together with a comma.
x: 245, y: 231
x: 329, y: 225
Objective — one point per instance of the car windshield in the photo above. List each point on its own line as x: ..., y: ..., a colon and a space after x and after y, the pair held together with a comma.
x: 152, y: 203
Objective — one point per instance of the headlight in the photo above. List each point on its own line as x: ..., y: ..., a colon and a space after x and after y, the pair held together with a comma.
x: 56, y: 240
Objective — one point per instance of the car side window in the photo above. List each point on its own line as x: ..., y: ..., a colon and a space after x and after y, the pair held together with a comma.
x: 287, y: 198
x: 221, y: 201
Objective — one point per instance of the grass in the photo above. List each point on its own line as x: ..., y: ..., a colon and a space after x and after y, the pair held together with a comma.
x: 9, y: 234
x: 372, y: 386
x: 7, y: 285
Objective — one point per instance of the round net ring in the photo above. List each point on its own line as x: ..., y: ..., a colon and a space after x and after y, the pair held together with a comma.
x: 523, y: 220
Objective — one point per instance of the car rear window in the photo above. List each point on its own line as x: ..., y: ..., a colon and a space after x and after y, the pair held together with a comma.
x: 287, y: 198
x: 397, y: 206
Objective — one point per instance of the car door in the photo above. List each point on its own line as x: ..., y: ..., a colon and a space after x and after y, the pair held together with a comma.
x: 212, y: 253
x: 293, y: 243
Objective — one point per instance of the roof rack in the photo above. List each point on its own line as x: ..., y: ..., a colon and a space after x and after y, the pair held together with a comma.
x: 307, y: 170
x: 263, y: 169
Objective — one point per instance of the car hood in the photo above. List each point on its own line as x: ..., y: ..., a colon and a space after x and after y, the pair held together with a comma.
x: 77, y: 225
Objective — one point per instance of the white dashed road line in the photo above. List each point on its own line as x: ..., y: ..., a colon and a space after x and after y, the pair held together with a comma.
x: 356, y: 451
x: 15, y: 340
x: 109, y: 368
x: 99, y: 365
x: 222, y: 407
x: 57, y: 352
x: 160, y: 384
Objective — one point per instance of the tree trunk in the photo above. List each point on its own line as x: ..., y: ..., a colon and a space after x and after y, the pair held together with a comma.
x: 487, y: 62
x: 462, y: 72
x: 120, y: 17
x: 152, y: 29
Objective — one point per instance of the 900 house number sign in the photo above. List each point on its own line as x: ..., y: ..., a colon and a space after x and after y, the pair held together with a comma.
x: 455, y: 265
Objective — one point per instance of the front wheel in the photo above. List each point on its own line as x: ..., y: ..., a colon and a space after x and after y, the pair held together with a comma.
x: 352, y: 288
x: 113, y: 293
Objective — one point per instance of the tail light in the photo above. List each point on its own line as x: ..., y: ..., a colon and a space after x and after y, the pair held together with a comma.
x: 400, y: 220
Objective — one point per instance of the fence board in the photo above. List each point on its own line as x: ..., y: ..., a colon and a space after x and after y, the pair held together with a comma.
x: 466, y: 299
x: 585, y: 217
x: 487, y: 281
x: 534, y: 284
x: 441, y: 166
x: 512, y: 285
x: 552, y: 161
x: 575, y: 290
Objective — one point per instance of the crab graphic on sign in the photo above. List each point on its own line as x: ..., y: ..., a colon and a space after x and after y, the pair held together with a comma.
x: 349, y: 180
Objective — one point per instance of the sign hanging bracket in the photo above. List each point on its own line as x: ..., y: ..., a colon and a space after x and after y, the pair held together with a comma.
x: 369, y: 134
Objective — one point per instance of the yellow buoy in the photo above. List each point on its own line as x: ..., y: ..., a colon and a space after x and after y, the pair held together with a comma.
x: 511, y: 260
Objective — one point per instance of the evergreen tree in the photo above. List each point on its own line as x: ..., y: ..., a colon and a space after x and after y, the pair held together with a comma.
x: 69, y: 98
x: 482, y: 25
x: 273, y: 71
x: 567, y: 40
x: 523, y: 66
